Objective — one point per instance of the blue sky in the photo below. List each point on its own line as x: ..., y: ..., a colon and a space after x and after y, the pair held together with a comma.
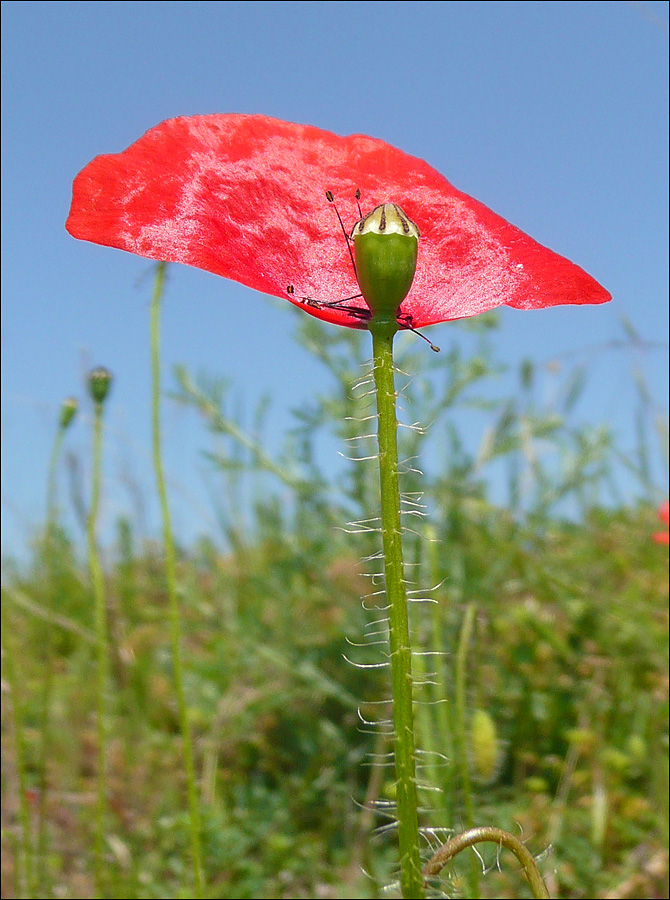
x: 555, y: 115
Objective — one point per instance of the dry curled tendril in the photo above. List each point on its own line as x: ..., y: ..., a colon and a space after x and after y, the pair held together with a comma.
x: 494, y: 835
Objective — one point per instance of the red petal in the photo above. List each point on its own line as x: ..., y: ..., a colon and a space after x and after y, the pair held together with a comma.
x: 244, y: 197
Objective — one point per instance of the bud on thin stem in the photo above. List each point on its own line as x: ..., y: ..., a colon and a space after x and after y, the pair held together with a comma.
x: 99, y: 382
x: 68, y: 411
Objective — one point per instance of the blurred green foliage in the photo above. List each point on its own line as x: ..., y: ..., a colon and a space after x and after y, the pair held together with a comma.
x: 566, y: 672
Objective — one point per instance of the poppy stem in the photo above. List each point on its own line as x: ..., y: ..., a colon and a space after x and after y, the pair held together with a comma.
x: 52, y: 509
x: 51, y: 551
x: 102, y: 650
x: 383, y: 330
x: 171, y: 579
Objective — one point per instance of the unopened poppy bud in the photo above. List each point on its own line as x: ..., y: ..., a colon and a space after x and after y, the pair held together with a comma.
x: 386, y: 243
x: 484, y: 745
x: 99, y: 381
x: 67, y: 412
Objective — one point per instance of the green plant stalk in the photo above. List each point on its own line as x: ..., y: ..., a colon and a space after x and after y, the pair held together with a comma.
x: 411, y: 882
x: 461, y: 736
x: 171, y: 579
x: 45, y: 741
x: 51, y: 477
x: 47, y: 686
x: 26, y: 853
x: 102, y: 648
x: 496, y: 836
x: 441, y: 699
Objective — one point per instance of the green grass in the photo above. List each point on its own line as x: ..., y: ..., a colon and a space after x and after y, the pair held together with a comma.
x: 567, y: 656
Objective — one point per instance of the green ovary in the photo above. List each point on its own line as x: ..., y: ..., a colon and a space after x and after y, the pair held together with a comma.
x: 385, y: 266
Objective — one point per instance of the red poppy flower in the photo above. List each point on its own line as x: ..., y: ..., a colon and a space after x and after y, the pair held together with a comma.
x: 245, y: 197
x: 662, y: 537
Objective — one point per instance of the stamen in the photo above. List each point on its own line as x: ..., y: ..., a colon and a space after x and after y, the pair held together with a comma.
x: 405, y: 321
x: 331, y: 199
x: 358, y: 312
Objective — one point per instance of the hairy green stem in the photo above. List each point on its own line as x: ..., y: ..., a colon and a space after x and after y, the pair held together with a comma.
x: 102, y: 648
x: 496, y: 836
x: 411, y: 881
x: 461, y: 735
x: 171, y: 579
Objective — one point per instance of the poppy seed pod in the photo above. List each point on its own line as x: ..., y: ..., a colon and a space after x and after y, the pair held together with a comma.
x: 386, y: 243
x: 68, y: 411
x: 99, y: 382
